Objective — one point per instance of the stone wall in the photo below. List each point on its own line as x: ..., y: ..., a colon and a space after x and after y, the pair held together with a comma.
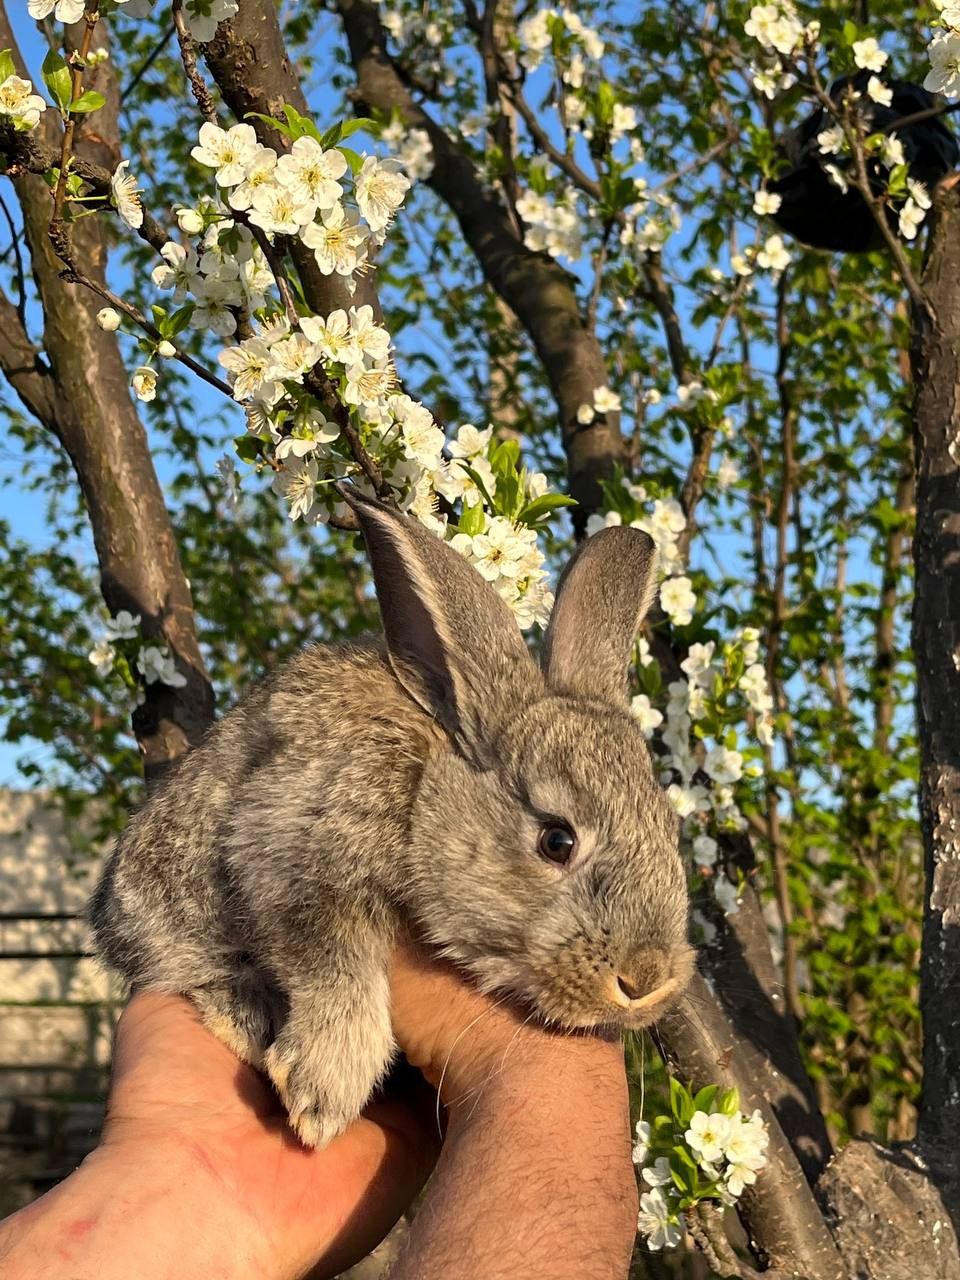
x: 57, y: 1006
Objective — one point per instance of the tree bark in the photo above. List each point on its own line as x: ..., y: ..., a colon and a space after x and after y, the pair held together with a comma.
x: 81, y: 393
x: 936, y: 645
x: 782, y: 1217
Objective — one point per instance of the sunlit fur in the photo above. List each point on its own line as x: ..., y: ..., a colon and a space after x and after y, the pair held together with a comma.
x: 363, y: 790
x: 556, y: 936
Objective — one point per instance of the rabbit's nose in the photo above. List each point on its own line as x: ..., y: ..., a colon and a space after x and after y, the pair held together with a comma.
x: 642, y: 982
x: 627, y: 988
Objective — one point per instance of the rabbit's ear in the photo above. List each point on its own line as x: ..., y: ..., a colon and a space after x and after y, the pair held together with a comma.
x: 453, y: 642
x: 602, y: 598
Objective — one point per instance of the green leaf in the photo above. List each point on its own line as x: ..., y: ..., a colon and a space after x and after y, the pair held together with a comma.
x: 361, y: 122
x: 472, y: 520
x: 89, y: 101
x: 703, y: 1100
x: 248, y: 448
x: 179, y: 320
x: 353, y: 159
x: 57, y: 78
x: 541, y: 507
x: 300, y: 126
x: 849, y: 32
x: 478, y: 482
x: 332, y: 136
x: 729, y: 1102
x: 679, y: 1100
x: 273, y: 122
x: 6, y: 64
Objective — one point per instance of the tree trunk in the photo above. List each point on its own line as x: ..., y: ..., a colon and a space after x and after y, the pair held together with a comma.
x: 936, y: 645
x: 81, y: 393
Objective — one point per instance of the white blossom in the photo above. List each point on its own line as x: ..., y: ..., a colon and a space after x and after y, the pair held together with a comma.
x: 122, y: 626
x: 144, y: 382
x: 726, y: 895
x: 204, y: 16
x: 677, y: 599
x: 911, y: 216
x: 126, y: 196
x: 337, y: 240
x: 228, y: 151
x: 258, y: 172
x: 868, y: 54
x: 179, y: 271
x: 102, y: 655
x: 704, y: 851
x: 66, y: 11
x: 723, y: 765
x: 728, y: 473
x: 654, y: 1221
x: 605, y: 400
x: 707, y: 1134
x: 647, y: 716
x: 642, y: 1131
x: 108, y: 319
x: 279, y: 210
x: 765, y: 202
x: 297, y: 483
x: 311, y: 174
x: 380, y: 188
x: 774, y: 255
x: 879, y: 92
x: 155, y: 663
x: 20, y: 104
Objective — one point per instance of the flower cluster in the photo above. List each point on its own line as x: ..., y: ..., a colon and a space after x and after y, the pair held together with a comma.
x: 303, y: 379
x: 546, y: 29
x: 704, y: 1149
x: 154, y: 663
x: 551, y: 226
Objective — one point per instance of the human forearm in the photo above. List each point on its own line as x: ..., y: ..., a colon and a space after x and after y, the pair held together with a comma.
x: 535, y: 1178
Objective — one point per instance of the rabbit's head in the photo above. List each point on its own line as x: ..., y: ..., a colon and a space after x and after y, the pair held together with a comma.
x: 543, y: 855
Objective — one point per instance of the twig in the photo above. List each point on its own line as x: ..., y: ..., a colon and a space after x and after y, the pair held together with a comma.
x: 929, y: 113
x: 854, y: 140
x: 317, y: 381
x: 77, y: 62
x: 540, y: 136
x: 73, y: 275
x: 698, y: 162
x: 21, y: 277
x: 594, y: 302
x: 147, y: 63
x: 188, y: 57
x: 275, y: 263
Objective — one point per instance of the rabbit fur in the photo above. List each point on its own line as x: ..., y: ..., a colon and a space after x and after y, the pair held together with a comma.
x: 367, y: 789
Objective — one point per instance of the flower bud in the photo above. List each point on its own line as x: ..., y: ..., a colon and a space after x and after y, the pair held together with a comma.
x: 189, y: 221
x: 166, y: 349
x: 108, y: 319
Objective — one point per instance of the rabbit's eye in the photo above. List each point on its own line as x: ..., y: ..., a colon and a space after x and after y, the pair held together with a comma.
x: 557, y: 843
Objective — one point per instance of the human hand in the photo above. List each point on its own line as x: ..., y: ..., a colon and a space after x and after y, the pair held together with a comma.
x: 198, y: 1173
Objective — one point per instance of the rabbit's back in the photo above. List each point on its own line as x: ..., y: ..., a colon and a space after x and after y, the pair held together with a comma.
x: 298, y: 799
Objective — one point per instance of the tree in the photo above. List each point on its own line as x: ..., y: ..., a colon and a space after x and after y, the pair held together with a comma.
x: 583, y: 261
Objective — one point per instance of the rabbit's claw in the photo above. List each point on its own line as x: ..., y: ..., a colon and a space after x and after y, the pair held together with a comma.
x: 320, y: 1095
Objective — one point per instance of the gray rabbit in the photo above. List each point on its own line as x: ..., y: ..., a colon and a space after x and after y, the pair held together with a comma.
x: 441, y: 784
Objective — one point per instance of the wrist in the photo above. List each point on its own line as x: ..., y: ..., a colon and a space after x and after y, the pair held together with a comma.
x: 158, y: 1216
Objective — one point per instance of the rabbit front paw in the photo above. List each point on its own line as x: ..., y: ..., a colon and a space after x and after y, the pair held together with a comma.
x: 322, y: 1090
